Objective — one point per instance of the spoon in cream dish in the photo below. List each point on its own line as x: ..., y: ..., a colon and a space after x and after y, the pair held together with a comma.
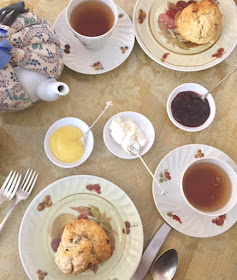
x: 135, y: 149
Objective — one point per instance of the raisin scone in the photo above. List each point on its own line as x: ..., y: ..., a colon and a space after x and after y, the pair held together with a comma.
x: 200, y: 22
x: 83, y: 244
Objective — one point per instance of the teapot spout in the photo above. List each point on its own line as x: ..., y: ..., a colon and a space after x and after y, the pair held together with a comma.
x: 63, y: 89
x: 50, y: 90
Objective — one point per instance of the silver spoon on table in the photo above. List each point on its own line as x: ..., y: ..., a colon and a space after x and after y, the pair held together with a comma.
x: 203, y: 97
x: 164, y: 267
x: 135, y: 149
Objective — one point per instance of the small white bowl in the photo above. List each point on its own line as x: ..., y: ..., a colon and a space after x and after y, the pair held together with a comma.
x: 233, y: 179
x: 142, y: 122
x: 200, y: 90
x: 88, y: 141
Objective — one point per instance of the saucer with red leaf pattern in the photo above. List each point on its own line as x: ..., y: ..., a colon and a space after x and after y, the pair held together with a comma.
x: 173, y: 208
x: 92, y: 62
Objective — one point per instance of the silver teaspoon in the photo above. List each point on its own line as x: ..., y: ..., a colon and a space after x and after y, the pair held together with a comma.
x: 203, y: 97
x: 108, y: 104
x: 135, y: 149
x: 164, y: 267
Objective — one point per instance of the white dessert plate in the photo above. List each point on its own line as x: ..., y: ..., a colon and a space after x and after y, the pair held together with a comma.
x: 88, y: 141
x: 142, y: 122
x: 98, y: 199
x: 173, y: 207
x: 92, y: 62
x: 166, y: 46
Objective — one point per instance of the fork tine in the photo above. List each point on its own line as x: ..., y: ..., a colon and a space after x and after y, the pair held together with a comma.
x: 8, y: 186
x: 29, y: 190
x: 26, y: 180
x: 16, y: 187
x: 13, y: 183
x: 29, y: 184
x: 6, y: 181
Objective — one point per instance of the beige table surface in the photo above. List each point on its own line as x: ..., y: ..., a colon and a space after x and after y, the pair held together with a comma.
x: 139, y: 85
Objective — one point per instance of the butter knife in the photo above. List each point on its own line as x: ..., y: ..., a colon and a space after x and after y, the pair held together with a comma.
x: 151, y: 252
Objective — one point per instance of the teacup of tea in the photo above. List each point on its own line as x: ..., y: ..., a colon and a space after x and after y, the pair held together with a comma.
x: 92, y: 21
x: 209, y: 186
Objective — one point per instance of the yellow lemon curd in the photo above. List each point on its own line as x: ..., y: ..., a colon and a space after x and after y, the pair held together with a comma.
x: 66, y: 144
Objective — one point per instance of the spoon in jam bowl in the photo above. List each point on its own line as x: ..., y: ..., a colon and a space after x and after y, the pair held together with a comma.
x: 203, y: 97
x: 135, y: 149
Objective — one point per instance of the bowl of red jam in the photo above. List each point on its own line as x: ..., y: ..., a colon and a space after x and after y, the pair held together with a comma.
x: 187, y: 110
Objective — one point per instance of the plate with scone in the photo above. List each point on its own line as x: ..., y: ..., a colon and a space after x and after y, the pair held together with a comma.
x: 81, y: 227
x: 186, y: 35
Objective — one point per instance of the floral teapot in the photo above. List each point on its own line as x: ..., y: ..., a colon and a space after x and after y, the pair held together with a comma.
x: 30, y: 59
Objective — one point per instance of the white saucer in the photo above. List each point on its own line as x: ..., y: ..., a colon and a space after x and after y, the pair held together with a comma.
x: 92, y: 62
x: 173, y: 207
x: 88, y: 141
x: 144, y: 124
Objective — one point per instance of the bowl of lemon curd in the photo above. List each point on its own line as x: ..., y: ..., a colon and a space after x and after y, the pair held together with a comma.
x: 63, y: 142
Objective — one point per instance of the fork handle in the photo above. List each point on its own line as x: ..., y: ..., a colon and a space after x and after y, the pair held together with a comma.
x: 8, y: 215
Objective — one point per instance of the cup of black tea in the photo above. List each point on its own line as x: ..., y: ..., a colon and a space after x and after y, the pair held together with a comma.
x: 92, y: 21
x: 209, y: 186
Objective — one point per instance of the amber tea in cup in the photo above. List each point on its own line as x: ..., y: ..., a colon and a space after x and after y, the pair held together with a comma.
x: 208, y: 185
x: 92, y: 18
x: 92, y: 21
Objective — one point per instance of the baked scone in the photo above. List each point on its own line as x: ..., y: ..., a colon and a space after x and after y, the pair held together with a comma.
x: 83, y: 244
x: 200, y: 22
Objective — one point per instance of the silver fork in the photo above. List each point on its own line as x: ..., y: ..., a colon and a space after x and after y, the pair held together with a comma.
x: 22, y: 193
x: 9, y: 187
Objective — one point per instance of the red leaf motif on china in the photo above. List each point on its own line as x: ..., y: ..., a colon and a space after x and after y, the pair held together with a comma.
x: 141, y: 16
x: 164, y: 57
x: 41, y: 274
x: 199, y: 154
x: 127, y: 228
x: 219, y: 53
x: 219, y: 221
x: 95, y: 187
x: 165, y: 176
x: 174, y: 217
x: 97, y: 66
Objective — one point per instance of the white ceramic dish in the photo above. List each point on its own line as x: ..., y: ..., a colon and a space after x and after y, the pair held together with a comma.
x: 70, y: 196
x: 200, y: 90
x: 233, y: 179
x: 88, y: 141
x: 93, y: 62
x: 156, y: 41
x: 142, y: 122
x: 173, y: 208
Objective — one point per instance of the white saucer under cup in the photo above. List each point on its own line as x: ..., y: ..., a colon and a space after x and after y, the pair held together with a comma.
x: 173, y: 207
x: 93, y: 62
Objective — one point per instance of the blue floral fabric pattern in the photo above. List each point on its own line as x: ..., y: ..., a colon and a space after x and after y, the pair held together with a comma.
x: 35, y: 47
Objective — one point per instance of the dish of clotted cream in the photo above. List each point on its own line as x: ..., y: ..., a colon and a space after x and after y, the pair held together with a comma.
x: 66, y: 144
x: 126, y: 133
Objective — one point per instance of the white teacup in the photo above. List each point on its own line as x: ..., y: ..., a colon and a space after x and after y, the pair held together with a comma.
x: 95, y: 42
x: 230, y: 172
